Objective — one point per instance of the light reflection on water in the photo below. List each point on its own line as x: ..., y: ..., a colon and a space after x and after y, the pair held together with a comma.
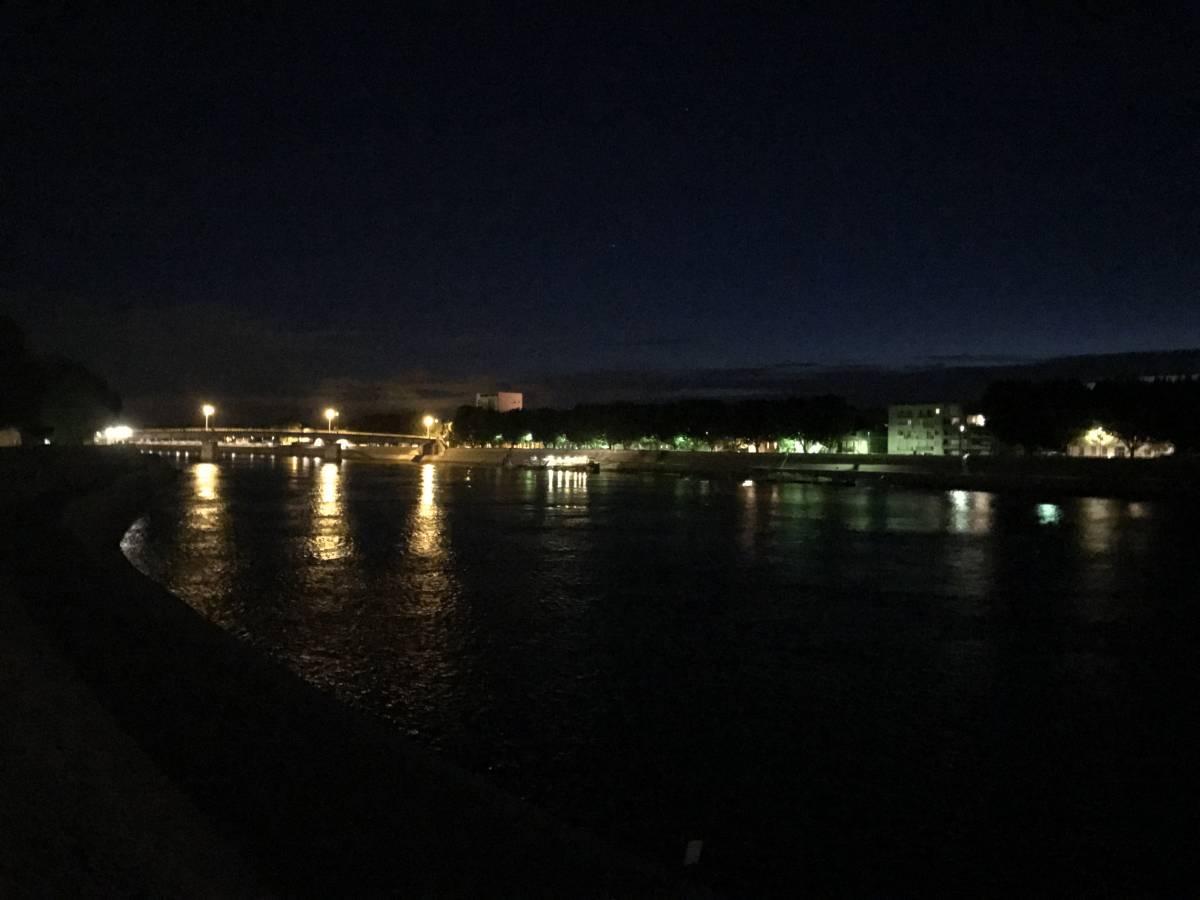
x: 567, y: 631
x: 1049, y: 513
x: 426, y: 527
x: 206, y: 476
x: 330, y: 538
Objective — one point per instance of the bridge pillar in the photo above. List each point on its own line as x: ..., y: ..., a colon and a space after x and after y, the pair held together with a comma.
x: 208, y: 451
x: 332, y: 452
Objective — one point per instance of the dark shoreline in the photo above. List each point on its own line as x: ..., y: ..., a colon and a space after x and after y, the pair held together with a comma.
x: 1142, y: 479
x: 321, y: 799
x: 1044, y: 476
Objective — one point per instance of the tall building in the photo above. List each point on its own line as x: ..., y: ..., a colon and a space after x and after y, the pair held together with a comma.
x: 503, y: 401
x: 936, y: 429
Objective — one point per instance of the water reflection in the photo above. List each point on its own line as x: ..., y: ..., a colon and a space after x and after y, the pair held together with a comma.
x: 427, y: 528
x: 910, y: 621
x: 1098, y: 519
x: 208, y: 514
x: 427, y: 486
x: 207, y: 522
x: 970, y: 512
x: 205, y: 476
x: 749, y: 527
x: 329, y: 488
x: 569, y: 485
x: 330, y: 539
x: 1049, y: 513
x: 1098, y: 524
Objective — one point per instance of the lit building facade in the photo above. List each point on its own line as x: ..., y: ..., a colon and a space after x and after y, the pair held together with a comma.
x: 936, y: 429
x: 503, y: 401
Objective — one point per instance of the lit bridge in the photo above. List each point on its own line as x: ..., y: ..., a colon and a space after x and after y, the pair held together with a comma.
x: 327, y: 444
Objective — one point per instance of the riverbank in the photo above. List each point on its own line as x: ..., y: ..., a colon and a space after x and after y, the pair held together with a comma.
x: 83, y: 809
x: 314, y: 798
x: 1141, y: 479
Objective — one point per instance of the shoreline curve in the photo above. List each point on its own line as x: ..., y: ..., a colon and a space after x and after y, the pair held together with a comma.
x: 321, y: 798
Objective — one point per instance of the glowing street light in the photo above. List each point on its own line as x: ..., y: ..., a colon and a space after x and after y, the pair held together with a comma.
x: 428, y: 423
x: 208, y: 411
x: 330, y: 415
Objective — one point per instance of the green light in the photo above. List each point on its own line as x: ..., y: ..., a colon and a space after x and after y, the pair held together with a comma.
x: 1049, y: 514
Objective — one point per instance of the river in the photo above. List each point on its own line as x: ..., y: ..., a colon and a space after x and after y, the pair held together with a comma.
x: 837, y: 689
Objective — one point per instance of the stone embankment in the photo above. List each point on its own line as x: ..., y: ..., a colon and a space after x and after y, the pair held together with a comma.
x: 149, y: 753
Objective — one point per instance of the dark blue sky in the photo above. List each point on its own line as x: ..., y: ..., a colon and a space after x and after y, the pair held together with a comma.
x: 483, y: 194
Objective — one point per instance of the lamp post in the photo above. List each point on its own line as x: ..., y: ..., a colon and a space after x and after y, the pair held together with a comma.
x: 208, y: 411
x: 330, y: 415
x: 428, y: 423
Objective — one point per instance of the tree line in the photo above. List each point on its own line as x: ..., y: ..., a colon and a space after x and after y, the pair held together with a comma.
x: 685, y: 424
x: 1030, y: 416
x: 47, y: 397
x: 1048, y: 415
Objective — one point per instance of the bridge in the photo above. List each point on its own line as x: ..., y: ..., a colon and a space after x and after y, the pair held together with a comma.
x: 276, y: 436
x: 324, y: 443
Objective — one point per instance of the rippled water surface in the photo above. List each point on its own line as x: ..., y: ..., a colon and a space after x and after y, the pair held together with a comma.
x: 832, y: 687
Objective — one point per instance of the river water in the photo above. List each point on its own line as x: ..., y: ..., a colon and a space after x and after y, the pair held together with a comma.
x: 839, y: 690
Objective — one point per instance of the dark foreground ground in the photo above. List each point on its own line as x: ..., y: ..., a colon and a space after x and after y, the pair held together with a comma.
x: 145, y: 752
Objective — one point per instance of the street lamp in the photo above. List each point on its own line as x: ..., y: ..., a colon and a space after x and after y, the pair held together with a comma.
x: 331, y: 414
x: 428, y: 423
x: 208, y: 410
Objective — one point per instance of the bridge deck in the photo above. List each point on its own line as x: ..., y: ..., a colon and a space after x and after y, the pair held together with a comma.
x: 271, y: 435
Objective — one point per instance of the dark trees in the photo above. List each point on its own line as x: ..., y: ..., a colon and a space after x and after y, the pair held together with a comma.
x: 1049, y: 415
x: 54, y: 398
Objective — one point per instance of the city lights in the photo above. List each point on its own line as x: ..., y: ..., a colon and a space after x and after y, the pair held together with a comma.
x: 114, y: 434
x: 553, y: 462
x: 1100, y: 437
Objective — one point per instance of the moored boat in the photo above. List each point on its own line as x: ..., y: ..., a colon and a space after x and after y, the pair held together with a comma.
x: 561, y: 463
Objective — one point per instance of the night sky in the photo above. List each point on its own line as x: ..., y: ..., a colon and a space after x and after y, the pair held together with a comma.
x: 297, y: 206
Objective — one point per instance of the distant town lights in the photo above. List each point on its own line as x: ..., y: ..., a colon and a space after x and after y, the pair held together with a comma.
x: 1100, y: 436
x: 114, y: 434
x: 553, y: 462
